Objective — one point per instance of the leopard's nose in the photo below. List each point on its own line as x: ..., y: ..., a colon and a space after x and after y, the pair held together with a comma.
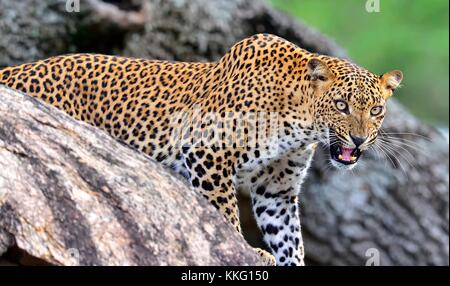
x: 358, y: 140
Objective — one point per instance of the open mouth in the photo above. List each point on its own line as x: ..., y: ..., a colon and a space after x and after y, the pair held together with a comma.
x: 344, y: 155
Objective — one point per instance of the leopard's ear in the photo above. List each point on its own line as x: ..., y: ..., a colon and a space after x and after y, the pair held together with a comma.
x: 390, y: 81
x: 318, y: 70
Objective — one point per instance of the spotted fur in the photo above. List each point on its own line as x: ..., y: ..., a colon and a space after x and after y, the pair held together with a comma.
x: 159, y: 107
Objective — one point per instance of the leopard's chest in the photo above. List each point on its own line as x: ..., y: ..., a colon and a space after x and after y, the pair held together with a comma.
x: 286, y: 171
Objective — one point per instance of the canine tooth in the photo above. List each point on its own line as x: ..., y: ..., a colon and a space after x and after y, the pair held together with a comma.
x: 340, y: 157
x: 353, y: 158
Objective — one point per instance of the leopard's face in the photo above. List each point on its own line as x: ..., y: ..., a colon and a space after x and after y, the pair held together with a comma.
x: 351, y: 104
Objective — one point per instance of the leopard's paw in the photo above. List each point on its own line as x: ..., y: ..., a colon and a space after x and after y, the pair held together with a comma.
x: 267, y: 258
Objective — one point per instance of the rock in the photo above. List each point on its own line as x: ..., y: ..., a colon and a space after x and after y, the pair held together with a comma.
x: 72, y: 195
x: 204, y: 30
x: 30, y: 30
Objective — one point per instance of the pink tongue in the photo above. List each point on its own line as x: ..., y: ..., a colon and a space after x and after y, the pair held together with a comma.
x: 346, y: 153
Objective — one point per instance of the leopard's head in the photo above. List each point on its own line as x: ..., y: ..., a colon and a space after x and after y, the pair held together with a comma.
x: 350, y: 105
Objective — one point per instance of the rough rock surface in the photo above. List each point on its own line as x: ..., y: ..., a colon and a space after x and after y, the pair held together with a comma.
x: 204, y: 30
x: 30, y: 30
x: 164, y: 29
x: 72, y: 195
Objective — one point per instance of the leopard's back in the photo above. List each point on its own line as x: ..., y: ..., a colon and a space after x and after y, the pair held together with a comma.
x: 132, y: 99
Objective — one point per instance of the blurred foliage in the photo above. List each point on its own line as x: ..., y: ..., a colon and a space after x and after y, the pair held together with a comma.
x: 410, y: 35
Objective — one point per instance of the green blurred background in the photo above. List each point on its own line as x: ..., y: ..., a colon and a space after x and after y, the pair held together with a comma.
x: 410, y: 35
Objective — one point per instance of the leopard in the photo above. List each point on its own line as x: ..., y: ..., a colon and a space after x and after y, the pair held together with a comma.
x: 247, y: 122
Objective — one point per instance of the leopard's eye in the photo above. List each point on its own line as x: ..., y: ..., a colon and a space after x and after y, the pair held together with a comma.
x: 376, y: 110
x: 341, y: 106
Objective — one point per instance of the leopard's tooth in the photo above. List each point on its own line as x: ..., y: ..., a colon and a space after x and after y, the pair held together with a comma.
x: 353, y: 158
x: 340, y: 157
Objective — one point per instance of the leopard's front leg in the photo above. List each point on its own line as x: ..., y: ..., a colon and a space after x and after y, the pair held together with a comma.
x: 278, y: 218
x: 275, y: 205
x: 214, y: 179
